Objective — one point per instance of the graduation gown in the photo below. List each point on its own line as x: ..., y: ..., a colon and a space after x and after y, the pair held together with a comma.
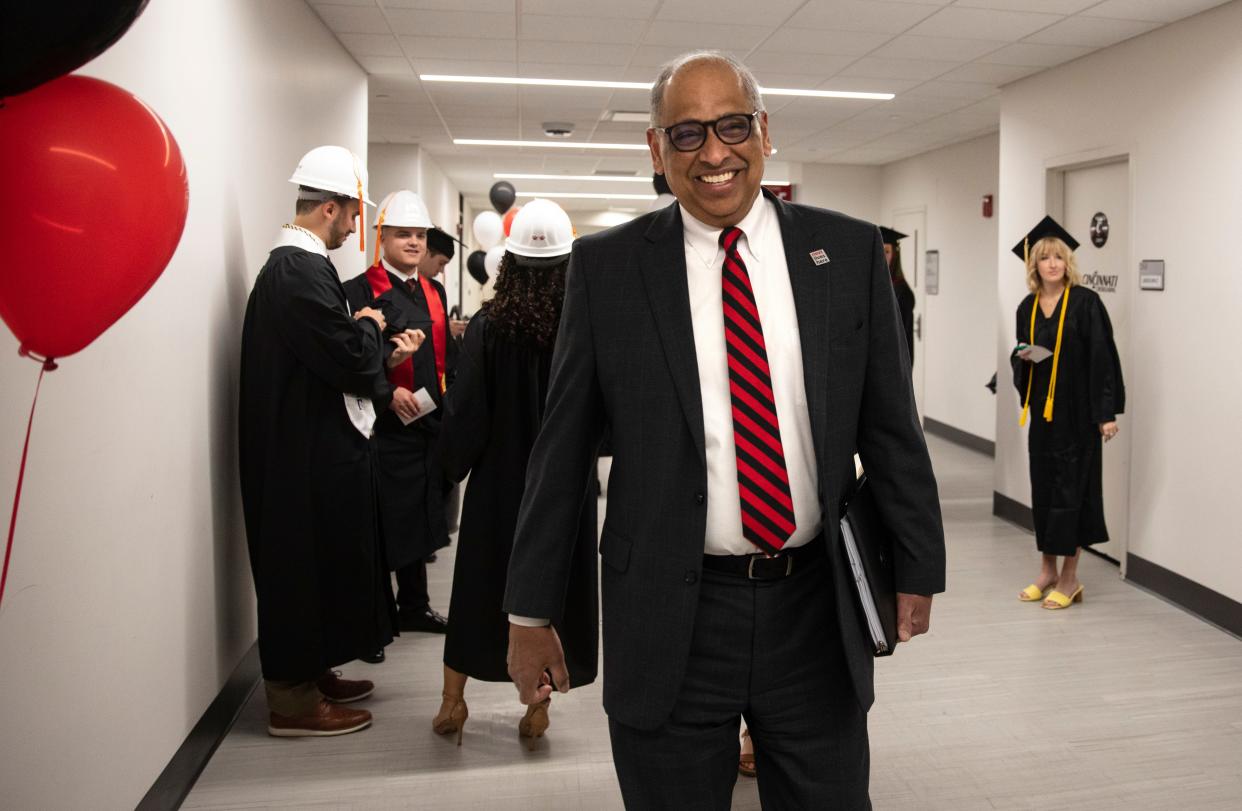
x: 412, y: 487
x: 491, y: 417
x: 308, y: 492
x: 1066, y: 454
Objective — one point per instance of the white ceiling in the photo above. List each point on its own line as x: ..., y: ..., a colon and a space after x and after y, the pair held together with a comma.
x: 945, y: 60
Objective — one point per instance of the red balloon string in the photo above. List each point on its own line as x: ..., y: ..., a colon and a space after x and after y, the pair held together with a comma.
x: 48, y: 365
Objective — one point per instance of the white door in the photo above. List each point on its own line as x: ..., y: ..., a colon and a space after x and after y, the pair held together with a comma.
x: 913, y: 223
x: 1093, y: 196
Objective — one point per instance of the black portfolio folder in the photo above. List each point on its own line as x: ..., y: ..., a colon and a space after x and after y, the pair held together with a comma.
x: 869, y: 550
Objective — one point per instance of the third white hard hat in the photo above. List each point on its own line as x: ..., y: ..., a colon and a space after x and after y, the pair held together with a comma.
x: 403, y: 209
x: 334, y: 169
x: 541, y: 230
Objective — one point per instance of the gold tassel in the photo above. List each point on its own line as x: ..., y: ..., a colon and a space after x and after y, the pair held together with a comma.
x: 379, y: 230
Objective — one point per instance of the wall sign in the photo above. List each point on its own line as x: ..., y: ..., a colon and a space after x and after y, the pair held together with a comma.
x: 782, y: 192
x: 1151, y: 274
x: 931, y: 271
x: 1099, y: 229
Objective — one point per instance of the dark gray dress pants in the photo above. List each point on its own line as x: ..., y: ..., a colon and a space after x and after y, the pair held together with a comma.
x: 769, y: 651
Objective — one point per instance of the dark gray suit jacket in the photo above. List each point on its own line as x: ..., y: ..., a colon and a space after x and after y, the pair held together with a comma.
x: 625, y: 356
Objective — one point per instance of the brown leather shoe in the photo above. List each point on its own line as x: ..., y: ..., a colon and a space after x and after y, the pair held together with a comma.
x: 328, y: 719
x: 343, y: 691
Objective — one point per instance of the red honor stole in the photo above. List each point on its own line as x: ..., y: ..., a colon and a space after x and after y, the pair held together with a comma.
x: 439, y: 326
x: 403, y: 374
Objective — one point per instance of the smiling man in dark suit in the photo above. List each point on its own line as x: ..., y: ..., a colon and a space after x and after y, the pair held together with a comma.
x: 742, y: 350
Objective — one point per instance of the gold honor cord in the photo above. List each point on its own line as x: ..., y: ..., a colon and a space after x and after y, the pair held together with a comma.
x: 1056, y: 359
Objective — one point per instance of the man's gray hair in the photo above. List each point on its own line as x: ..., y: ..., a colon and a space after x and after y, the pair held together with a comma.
x: 750, y: 86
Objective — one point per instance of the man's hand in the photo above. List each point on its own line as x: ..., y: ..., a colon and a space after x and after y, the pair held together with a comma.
x: 373, y: 314
x: 533, y: 653
x: 913, y: 615
x: 407, y: 343
x: 404, y: 404
x: 458, y: 328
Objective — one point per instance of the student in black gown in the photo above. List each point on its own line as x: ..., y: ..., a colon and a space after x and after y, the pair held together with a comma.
x: 306, y: 464
x: 491, y: 417
x: 901, y: 288
x: 411, y: 486
x: 1072, y: 399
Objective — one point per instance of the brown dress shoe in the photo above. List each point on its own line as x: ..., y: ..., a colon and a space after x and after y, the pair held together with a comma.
x: 328, y: 719
x: 343, y: 691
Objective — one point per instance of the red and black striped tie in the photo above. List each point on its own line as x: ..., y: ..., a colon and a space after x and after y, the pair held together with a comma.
x: 762, y: 481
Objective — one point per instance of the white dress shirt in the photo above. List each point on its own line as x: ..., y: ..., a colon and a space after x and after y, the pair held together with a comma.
x: 405, y: 277
x: 763, y: 252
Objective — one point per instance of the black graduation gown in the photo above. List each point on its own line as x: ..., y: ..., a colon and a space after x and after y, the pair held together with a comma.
x: 308, y: 492
x: 1066, y: 454
x: 411, y: 485
x: 905, y: 303
x: 491, y: 417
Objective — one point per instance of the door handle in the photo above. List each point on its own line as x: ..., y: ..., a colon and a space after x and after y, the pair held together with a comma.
x: 918, y: 326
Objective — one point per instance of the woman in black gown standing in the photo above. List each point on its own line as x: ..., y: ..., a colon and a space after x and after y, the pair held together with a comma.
x: 492, y: 414
x: 901, y: 288
x: 1072, y: 398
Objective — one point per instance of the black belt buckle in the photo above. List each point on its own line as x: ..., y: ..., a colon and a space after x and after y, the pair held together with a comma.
x: 750, y: 567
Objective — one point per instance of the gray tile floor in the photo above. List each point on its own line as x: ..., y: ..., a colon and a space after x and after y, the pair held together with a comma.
x: 1123, y: 701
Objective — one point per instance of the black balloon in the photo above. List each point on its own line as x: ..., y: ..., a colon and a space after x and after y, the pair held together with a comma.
x: 476, y: 267
x: 502, y: 196
x: 43, y: 41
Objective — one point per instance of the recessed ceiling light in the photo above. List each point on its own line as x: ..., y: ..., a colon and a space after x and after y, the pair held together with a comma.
x: 546, y: 144
x: 629, y: 116
x: 767, y: 91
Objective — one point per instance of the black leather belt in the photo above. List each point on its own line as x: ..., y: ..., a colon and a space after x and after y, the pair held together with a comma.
x: 762, y: 567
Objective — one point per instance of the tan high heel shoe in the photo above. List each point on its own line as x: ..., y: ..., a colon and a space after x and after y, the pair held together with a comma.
x: 451, y: 717
x: 536, y: 721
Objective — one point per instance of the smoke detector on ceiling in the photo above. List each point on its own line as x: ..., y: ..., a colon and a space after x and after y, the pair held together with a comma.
x: 558, y: 129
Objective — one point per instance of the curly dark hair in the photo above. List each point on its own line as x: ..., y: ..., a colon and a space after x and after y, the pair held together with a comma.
x: 527, y: 304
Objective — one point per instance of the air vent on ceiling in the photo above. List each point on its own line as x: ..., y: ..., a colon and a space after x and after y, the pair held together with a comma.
x: 615, y: 173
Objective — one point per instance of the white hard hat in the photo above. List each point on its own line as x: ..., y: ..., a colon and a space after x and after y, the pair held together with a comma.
x: 334, y: 169
x: 540, y: 230
x: 403, y: 209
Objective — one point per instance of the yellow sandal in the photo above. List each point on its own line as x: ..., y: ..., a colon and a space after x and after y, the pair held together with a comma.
x: 1060, y: 601
x: 1032, y: 593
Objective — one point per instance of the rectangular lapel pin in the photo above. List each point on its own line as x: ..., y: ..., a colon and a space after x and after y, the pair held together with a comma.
x: 819, y: 256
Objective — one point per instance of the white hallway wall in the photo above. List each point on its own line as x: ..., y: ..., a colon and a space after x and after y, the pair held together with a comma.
x: 129, y: 598
x: 1172, y: 101
x: 958, y: 343
x: 958, y: 323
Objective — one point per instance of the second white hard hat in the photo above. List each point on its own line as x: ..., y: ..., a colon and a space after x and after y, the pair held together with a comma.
x: 403, y: 209
x: 540, y: 230
x: 334, y: 169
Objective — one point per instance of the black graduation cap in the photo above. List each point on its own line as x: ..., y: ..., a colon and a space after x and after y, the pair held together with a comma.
x: 441, y: 242
x: 890, y: 236
x: 1047, y: 227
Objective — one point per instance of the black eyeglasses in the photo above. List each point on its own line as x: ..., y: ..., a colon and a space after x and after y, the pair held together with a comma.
x: 687, y: 136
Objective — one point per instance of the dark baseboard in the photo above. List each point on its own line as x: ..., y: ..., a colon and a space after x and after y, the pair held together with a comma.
x: 174, y: 783
x: 1015, y: 512
x: 1197, y: 599
x: 959, y: 437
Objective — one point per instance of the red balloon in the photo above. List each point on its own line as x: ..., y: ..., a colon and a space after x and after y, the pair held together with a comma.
x: 508, y: 218
x: 95, y: 197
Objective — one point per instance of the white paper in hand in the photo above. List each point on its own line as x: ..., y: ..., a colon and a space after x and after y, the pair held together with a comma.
x: 426, y: 405
x: 1038, y: 353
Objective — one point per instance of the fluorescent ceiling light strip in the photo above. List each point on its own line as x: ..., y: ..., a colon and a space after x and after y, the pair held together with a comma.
x: 603, y: 178
x: 767, y: 91
x: 547, y: 144
x: 586, y: 195
x: 433, y: 77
